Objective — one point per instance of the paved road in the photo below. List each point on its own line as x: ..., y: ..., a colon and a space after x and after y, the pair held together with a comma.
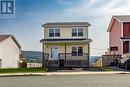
x: 120, y: 80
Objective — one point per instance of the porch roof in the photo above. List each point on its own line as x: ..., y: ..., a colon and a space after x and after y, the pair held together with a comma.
x: 73, y: 40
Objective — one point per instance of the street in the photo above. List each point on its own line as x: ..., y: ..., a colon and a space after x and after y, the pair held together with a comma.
x: 115, y: 80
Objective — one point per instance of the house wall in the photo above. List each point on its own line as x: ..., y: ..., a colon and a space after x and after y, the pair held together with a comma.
x: 114, y: 36
x: 9, y: 53
x: 48, y: 47
x: 65, y: 32
x: 126, y: 29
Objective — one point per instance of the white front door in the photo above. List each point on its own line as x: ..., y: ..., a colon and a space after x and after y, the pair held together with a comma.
x: 55, y: 52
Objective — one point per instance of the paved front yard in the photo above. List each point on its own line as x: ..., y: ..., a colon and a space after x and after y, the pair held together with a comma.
x: 109, y: 68
x: 80, y: 69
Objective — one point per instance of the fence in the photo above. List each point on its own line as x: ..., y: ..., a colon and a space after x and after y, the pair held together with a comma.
x: 109, y: 59
x: 29, y: 65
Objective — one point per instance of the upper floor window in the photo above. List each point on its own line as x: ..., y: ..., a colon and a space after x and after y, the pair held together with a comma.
x: 77, y: 32
x: 54, y: 32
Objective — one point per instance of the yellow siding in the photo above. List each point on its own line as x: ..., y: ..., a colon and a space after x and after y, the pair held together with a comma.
x: 62, y: 48
x: 65, y: 32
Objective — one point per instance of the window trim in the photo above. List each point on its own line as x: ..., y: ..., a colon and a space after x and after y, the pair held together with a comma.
x: 54, y: 32
x: 77, y: 51
x: 77, y: 32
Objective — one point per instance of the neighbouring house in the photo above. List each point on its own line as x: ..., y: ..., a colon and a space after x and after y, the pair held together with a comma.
x: 119, y: 35
x: 10, y: 51
x: 66, y: 44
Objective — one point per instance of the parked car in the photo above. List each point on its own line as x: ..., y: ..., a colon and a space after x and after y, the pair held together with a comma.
x: 124, y: 61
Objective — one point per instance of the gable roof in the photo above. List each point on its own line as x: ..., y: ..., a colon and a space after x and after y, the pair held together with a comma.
x: 68, y: 24
x: 120, y: 18
x: 4, y: 37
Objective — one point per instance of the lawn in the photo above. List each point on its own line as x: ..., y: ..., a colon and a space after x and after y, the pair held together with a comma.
x: 100, y: 69
x: 23, y: 70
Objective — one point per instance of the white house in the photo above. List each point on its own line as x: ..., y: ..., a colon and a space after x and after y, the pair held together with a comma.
x: 10, y: 51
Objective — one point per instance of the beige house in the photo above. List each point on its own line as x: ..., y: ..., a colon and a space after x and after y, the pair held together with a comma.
x: 66, y: 44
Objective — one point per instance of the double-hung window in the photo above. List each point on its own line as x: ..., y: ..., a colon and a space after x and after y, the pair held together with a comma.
x: 80, y: 32
x: 77, y: 32
x: 77, y: 51
x: 54, y: 32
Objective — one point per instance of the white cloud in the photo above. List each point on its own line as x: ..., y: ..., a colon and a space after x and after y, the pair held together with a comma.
x: 97, y: 12
x: 98, y: 16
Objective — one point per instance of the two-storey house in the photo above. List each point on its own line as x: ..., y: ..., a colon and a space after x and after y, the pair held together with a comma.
x: 119, y: 35
x: 66, y: 44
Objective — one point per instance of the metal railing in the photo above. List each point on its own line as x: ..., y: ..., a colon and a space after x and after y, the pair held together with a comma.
x: 70, y: 56
x: 74, y: 60
x: 69, y: 60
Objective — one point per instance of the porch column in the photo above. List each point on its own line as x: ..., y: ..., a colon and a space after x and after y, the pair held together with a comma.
x: 43, y: 54
x: 129, y: 46
x: 65, y: 51
x: 88, y: 54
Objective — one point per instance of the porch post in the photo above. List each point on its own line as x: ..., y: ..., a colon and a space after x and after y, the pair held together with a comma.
x: 129, y: 46
x: 42, y: 54
x: 65, y: 51
x: 88, y: 53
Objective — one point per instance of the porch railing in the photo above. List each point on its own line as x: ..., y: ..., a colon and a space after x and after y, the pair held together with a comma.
x: 70, y: 56
x: 70, y: 60
x: 45, y: 59
x: 45, y: 56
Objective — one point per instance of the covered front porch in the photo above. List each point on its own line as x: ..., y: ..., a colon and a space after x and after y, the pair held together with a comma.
x: 66, y: 53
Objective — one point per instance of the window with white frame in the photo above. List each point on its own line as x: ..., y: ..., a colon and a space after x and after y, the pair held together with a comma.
x: 77, y: 51
x: 77, y: 32
x: 54, y: 32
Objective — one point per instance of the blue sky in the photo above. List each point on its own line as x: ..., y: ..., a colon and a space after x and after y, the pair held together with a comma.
x: 31, y: 14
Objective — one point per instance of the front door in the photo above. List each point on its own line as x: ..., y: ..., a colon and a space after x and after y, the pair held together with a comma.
x: 55, y: 53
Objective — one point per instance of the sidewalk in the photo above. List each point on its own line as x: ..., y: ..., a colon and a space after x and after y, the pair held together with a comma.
x: 64, y: 73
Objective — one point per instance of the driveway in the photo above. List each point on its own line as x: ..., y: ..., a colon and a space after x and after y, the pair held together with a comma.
x: 110, y: 68
x: 66, y: 69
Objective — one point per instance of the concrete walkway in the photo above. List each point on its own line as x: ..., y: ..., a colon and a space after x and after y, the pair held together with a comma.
x: 63, y: 73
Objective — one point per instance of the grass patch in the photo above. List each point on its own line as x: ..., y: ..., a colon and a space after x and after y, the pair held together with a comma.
x: 23, y: 70
x: 100, y: 69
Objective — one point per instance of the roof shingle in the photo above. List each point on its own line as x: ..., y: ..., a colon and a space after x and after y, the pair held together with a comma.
x: 59, y: 24
x: 123, y: 18
x: 3, y: 37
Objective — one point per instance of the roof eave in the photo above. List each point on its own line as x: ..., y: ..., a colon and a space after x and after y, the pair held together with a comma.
x: 45, y: 25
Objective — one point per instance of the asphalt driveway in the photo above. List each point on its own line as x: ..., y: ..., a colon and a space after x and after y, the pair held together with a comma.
x: 110, y: 68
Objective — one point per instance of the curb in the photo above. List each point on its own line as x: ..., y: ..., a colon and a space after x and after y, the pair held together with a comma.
x: 62, y: 73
